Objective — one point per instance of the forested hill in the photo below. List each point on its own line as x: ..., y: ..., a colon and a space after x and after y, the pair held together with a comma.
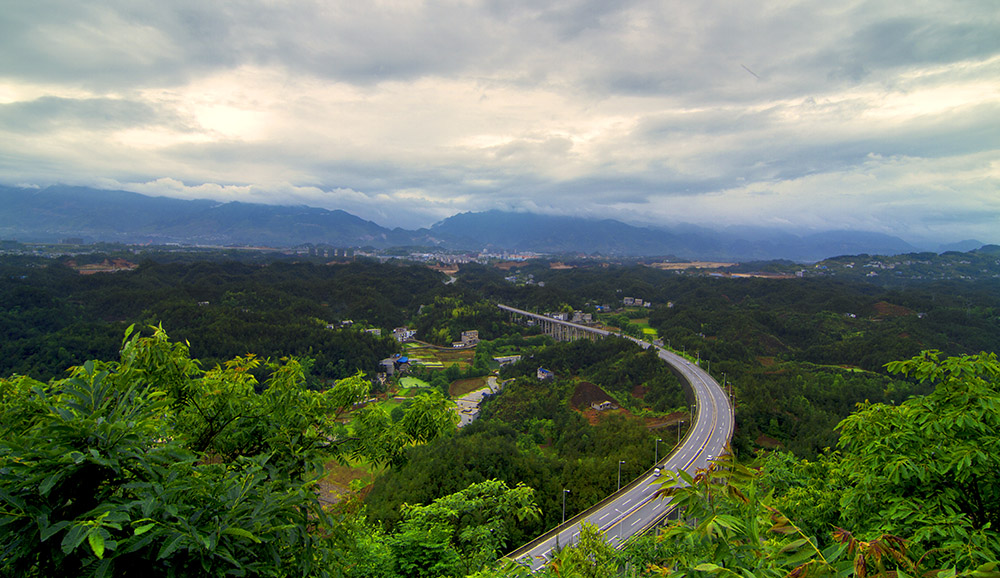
x: 60, y: 212
x: 808, y: 349
x: 96, y: 215
x: 54, y: 317
x: 200, y: 453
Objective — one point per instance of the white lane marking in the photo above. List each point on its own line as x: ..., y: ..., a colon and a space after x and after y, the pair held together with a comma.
x: 601, y: 519
x: 625, y: 503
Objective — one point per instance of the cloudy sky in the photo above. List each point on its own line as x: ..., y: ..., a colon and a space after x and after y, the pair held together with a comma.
x: 881, y: 116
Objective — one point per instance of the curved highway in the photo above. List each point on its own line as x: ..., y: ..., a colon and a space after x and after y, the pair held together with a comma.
x: 634, y: 508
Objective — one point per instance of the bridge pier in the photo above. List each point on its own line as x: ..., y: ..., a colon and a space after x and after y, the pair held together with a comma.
x: 558, y: 329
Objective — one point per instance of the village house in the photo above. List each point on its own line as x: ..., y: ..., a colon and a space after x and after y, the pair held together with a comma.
x: 402, y: 334
x: 507, y: 359
x: 395, y: 364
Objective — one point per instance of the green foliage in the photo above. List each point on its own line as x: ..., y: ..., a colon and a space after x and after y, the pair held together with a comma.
x: 381, y: 440
x: 461, y: 532
x: 733, y: 528
x: 53, y: 317
x: 617, y: 366
x: 528, y: 435
x: 94, y: 482
x: 442, y: 321
x: 928, y: 467
x: 151, y: 466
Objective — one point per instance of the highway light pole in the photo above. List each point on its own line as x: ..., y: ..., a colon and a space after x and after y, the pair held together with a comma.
x: 657, y: 460
x: 620, y: 464
x: 564, y: 505
x: 621, y: 522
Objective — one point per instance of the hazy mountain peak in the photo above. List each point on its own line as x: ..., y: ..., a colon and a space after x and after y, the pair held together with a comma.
x: 97, y: 215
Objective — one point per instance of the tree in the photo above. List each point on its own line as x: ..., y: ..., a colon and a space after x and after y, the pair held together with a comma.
x: 92, y: 480
x: 929, y: 467
x: 461, y: 531
x: 151, y: 466
x: 381, y: 440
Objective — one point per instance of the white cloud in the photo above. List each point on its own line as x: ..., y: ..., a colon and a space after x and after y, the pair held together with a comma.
x: 847, y: 115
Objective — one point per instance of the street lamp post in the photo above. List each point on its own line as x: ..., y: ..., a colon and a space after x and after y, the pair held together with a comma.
x: 620, y: 464
x: 657, y: 460
x: 564, y: 505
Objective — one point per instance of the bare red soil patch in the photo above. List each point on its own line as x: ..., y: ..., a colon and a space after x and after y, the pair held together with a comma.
x: 587, y: 394
x: 886, y: 309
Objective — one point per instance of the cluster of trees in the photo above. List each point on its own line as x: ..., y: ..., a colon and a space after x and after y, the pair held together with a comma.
x: 529, y: 434
x: 910, y: 492
x: 636, y: 377
x: 798, y: 352
x: 443, y: 320
x: 160, y: 463
x: 150, y: 465
x: 54, y: 317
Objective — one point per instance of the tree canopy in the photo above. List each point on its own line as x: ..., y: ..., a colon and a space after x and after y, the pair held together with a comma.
x: 150, y: 465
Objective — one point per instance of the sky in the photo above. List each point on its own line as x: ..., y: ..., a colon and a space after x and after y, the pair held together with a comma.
x: 809, y: 116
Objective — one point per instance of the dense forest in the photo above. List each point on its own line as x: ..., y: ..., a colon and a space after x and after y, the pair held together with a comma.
x: 157, y: 455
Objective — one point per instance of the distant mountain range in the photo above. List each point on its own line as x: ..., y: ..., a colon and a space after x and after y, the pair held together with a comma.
x: 60, y: 212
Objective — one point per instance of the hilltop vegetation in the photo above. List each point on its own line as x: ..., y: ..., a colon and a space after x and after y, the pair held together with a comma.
x: 914, y: 462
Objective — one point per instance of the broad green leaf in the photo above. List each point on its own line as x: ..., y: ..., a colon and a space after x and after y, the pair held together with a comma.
x: 793, y: 545
x: 73, y: 538
x: 241, y: 533
x: 51, y: 529
x: 170, y: 547
x: 96, y: 542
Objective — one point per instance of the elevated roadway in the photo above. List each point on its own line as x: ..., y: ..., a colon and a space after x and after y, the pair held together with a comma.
x: 633, y: 509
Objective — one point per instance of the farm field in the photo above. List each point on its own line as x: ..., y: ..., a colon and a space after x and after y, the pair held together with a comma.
x: 647, y: 331
x: 438, y: 358
x: 460, y: 387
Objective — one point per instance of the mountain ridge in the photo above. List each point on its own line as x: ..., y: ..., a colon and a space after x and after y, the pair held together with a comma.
x: 59, y: 212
